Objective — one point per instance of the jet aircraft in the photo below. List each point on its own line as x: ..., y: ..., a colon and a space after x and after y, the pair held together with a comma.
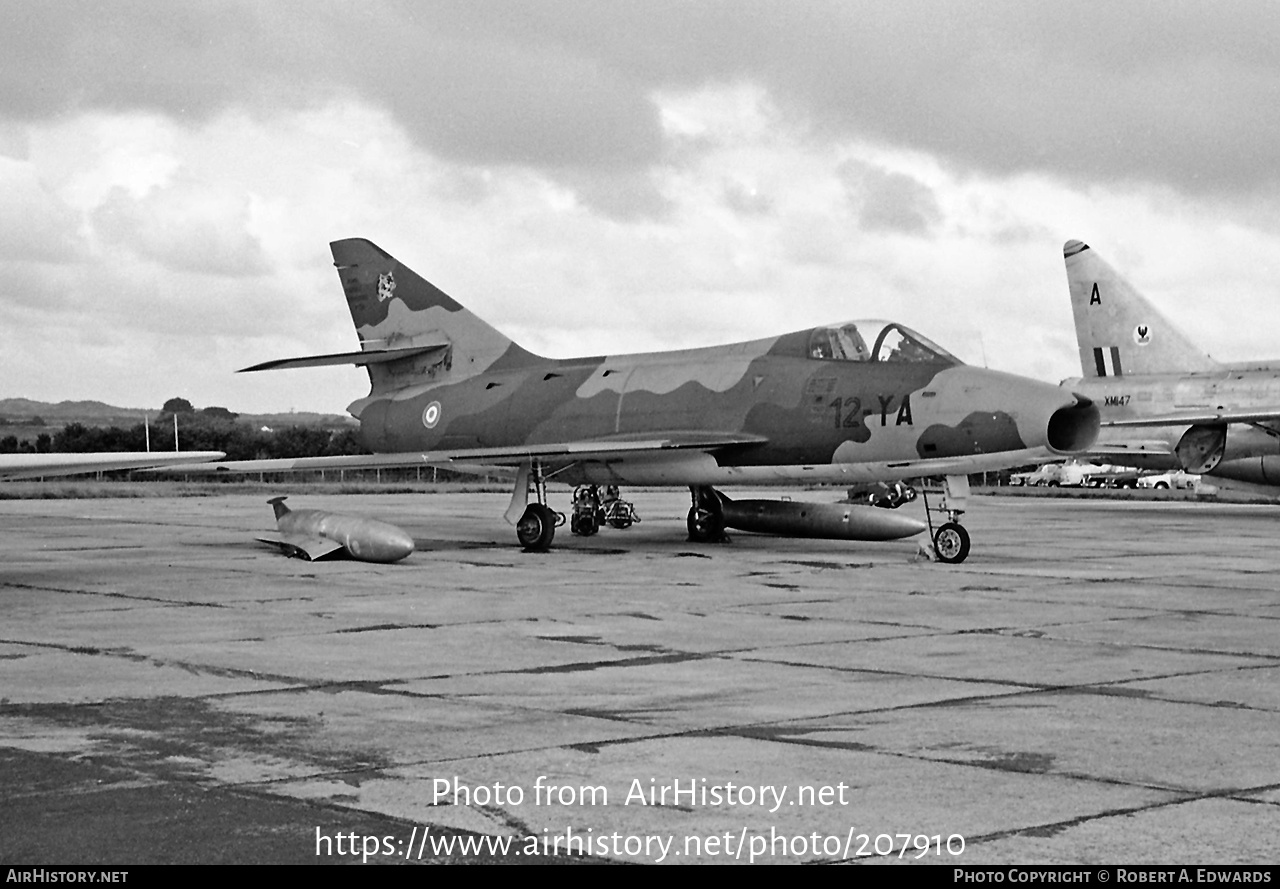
x: 842, y: 403
x: 316, y: 534
x: 1165, y: 403
x: 19, y: 466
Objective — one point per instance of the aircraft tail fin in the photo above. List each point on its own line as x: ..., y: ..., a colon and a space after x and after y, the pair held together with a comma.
x: 1117, y: 329
x: 395, y: 309
x: 277, y: 503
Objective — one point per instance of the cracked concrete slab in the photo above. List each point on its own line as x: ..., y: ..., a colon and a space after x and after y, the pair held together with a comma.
x: 1094, y: 685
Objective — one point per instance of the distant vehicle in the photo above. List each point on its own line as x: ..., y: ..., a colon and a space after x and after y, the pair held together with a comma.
x: 1048, y: 474
x: 1178, y: 479
x: 1114, y: 477
x: 1077, y: 475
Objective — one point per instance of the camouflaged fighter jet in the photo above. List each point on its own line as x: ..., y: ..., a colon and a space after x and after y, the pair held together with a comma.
x: 844, y: 403
x: 1165, y: 404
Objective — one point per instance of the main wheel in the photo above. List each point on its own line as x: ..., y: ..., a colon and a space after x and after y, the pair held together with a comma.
x: 705, y: 525
x: 536, y: 528
x: 951, y: 543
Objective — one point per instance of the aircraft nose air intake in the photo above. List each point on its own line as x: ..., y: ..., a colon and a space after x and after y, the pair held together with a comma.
x: 1074, y: 428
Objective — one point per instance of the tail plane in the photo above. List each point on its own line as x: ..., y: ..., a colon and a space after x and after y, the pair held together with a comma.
x: 410, y: 331
x: 1118, y: 331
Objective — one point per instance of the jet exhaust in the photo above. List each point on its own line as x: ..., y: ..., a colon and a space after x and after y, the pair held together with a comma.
x: 831, y: 521
x: 1075, y: 428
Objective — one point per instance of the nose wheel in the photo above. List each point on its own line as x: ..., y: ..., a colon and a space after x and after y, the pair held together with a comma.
x: 950, y: 539
x: 951, y: 543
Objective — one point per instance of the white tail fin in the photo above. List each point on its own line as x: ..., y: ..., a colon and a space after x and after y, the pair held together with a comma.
x: 1119, y: 332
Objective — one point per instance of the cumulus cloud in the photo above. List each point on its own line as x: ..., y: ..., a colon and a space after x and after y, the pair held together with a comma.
x: 184, y: 226
x: 35, y: 223
x: 1094, y: 90
x: 618, y: 177
x: 888, y: 201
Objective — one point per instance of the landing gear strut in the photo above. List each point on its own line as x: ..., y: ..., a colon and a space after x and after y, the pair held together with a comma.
x: 536, y: 527
x: 950, y: 540
x: 706, y: 518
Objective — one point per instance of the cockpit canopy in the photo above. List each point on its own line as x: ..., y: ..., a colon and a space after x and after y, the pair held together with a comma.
x: 890, y: 342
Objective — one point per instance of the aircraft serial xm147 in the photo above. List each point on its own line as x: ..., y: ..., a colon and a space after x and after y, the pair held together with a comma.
x: 846, y: 403
x: 1165, y: 404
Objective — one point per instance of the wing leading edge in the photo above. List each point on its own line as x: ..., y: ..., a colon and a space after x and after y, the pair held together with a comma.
x: 1206, y: 418
x: 506, y: 456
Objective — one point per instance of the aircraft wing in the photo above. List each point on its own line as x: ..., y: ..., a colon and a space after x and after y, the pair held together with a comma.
x: 1203, y: 418
x: 554, y: 452
x: 1127, y: 449
x: 298, y: 546
x: 39, y: 465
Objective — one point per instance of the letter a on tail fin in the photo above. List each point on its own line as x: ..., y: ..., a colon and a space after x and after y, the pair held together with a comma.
x: 1118, y: 331
x: 394, y: 308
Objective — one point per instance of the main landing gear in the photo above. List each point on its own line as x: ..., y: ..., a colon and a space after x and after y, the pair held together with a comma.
x: 950, y: 540
x: 706, y: 518
x: 536, y: 525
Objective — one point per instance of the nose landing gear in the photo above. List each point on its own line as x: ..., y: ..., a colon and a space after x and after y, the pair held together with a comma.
x: 950, y: 539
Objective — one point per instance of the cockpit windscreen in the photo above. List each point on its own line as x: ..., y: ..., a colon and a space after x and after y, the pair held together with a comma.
x: 891, y: 342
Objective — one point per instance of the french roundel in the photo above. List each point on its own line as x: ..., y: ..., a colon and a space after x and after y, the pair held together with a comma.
x: 431, y: 415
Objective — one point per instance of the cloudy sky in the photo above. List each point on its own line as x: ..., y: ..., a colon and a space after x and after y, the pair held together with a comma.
x: 601, y: 177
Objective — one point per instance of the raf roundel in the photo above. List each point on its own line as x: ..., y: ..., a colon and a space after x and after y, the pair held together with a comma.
x: 431, y: 415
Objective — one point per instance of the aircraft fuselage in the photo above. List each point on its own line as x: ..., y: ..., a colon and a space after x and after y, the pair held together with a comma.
x: 1138, y: 396
x: 815, y: 418
x: 1245, y: 446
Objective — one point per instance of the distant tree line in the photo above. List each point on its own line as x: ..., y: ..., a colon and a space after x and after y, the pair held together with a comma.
x: 42, y: 445
x: 239, y: 441
x: 210, y: 429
